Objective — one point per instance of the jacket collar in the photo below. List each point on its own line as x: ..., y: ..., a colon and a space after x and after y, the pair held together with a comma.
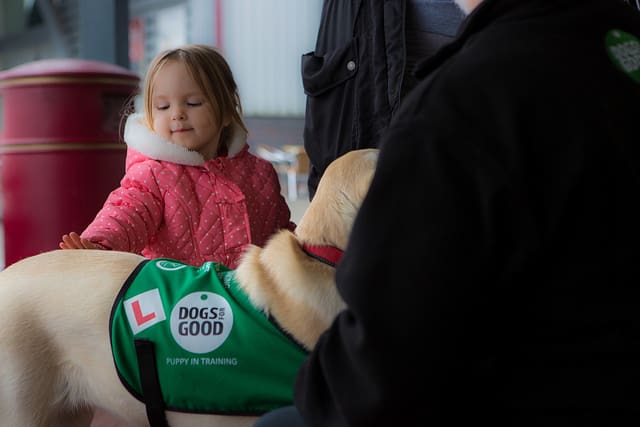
x: 142, y: 139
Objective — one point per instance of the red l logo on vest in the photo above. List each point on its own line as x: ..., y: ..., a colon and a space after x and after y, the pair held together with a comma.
x: 144, y: 310
x: 137, y: 312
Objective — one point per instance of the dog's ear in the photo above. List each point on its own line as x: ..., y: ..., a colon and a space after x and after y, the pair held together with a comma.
x: 341, y: 190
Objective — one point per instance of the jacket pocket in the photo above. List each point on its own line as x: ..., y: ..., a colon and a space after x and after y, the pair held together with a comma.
x: 322, y: 73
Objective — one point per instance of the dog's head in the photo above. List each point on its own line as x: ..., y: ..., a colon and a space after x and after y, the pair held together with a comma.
x: 298, y: 290
x: 341, y: 190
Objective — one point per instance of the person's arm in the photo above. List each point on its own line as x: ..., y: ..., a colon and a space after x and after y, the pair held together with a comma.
x: 130, y: 216
x: 411, y: 277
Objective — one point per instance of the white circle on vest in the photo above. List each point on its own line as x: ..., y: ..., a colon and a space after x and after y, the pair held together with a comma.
x: 201, y: 322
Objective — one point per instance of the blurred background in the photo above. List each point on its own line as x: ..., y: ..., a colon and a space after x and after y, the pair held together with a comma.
x: 263, y: 41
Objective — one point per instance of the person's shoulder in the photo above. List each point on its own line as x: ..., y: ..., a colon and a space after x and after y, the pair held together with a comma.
x: 248, y: 164
x: 249, y: 158
x: 140, y: 166
x: 138, y: 160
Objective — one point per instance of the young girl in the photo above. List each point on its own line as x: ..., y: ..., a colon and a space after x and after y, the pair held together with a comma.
x: 192, y: 191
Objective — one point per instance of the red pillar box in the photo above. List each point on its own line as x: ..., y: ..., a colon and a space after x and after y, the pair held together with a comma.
x: 60, y: 148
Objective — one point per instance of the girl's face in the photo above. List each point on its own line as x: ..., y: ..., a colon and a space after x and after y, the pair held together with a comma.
x: 181, y: 113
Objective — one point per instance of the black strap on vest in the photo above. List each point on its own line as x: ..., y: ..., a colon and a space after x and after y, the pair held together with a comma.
x: 151, y: 392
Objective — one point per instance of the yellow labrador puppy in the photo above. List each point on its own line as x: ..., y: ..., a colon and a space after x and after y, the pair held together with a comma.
x: 62, y: 313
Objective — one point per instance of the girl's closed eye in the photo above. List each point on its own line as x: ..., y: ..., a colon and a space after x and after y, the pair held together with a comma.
x: 162, y: 107
x: 194, y: 103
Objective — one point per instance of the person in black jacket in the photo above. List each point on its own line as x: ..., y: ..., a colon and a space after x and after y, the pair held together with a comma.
x: 492, y: 274
x: 362, y: 67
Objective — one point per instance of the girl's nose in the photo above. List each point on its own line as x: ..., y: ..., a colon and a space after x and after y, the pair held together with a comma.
x: 178, y: 114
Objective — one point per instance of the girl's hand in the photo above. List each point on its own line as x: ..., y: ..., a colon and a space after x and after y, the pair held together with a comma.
x: 74, y: 241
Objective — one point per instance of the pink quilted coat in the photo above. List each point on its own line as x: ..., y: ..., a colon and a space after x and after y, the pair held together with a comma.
x: 172, y: 203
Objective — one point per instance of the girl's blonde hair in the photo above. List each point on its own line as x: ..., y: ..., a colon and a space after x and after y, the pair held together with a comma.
x: 212, y: 74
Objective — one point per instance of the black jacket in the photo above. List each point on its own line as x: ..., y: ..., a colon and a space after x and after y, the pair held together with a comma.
x: 361, y: 65
x: 493, y: 272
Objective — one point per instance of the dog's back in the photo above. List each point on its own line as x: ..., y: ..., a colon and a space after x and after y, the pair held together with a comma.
x: 54, y: 312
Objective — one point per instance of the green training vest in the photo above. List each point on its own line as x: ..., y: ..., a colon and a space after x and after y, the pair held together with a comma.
x: 214, y: 351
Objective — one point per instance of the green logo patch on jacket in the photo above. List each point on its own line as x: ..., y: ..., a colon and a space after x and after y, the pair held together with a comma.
x: 214, y: 351
x: 624, y: 50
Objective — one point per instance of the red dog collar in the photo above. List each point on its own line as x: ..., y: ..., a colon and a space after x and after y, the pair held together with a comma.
x: 330, y: 255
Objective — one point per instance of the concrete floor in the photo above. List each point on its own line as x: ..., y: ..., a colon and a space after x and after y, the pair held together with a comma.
x: 297, y: 208
x: 278, y: 132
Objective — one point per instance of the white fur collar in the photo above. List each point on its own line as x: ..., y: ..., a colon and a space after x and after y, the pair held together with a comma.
x: 139, y: 137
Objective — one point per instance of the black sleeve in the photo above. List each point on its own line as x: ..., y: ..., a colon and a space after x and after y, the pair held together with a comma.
x: 329, y: 86
x: 361, y: 68
x: 411, y: 278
